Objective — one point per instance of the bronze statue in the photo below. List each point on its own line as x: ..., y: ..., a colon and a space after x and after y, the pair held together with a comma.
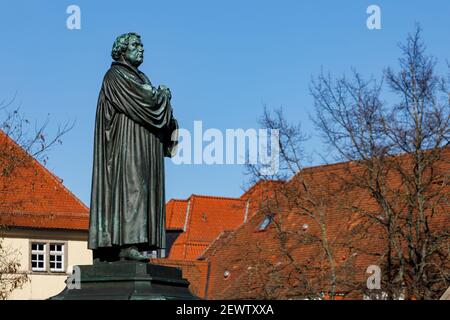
x: 133, y: 133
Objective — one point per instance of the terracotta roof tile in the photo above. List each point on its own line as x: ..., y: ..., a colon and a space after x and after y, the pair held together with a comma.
x: 175, y: 214
x: 243, y: 254
x: 31, y: 196
x: 207, y: 217
x: 216, y: 244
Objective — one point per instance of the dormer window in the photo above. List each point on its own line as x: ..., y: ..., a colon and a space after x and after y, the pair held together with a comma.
x: 265, y: 223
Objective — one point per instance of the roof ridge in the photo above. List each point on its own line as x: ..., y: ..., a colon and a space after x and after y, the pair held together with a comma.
x: 60, y: 215
x: 175, y: 199
x: 334, y: 165
x: 215, y: 197
x: 213, y: 243
x: 189, y: 216
x: 187, y: 224
x: 249, y: 190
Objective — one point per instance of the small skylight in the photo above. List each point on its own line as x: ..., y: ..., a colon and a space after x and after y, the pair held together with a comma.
x: 266, y: 222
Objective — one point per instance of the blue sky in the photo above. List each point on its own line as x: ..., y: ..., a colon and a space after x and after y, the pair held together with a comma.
x: 223, y: 60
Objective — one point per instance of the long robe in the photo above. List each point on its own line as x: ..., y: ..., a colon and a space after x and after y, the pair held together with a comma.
x: 133, y: 129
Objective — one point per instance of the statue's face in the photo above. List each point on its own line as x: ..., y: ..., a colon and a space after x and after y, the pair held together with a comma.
x: 135, y: 52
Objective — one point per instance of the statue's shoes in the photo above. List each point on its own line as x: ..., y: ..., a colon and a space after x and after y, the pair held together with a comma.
x: 133, y: 254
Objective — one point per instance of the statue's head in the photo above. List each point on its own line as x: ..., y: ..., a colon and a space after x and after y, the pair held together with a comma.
x: 128, y: 48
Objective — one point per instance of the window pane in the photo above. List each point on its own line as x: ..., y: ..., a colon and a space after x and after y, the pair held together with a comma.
x: 56, y: 247
x: 37, y: 246
x: 56, y: 257
x: 38, y: 257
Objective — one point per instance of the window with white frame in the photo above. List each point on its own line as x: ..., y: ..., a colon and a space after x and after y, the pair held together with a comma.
x: 38, y: 255
x: 56, y: 257
x: 47, y: 256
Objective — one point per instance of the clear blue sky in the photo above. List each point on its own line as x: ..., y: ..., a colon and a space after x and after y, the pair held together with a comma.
x: 223, y: 61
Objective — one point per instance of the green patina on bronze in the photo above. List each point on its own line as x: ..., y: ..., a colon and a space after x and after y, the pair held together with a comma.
x: 133, y: 128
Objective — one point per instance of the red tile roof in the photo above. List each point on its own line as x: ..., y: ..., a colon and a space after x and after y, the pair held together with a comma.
x: 176, y: 214
x: 240, y: 257
x: 31, y: 196
x: 220, y: 241
x: 206, y: 218
x: 261, y: 189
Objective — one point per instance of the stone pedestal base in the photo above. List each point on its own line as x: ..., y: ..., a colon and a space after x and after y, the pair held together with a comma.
x: 126, y: 280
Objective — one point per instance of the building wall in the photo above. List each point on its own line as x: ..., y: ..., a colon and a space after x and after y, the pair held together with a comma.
x: 45, y: 284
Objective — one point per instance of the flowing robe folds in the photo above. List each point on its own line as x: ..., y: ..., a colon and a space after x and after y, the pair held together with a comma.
x: 133, y: 129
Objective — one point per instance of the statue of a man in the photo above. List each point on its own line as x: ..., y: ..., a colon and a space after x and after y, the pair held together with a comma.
x: 133, y: 133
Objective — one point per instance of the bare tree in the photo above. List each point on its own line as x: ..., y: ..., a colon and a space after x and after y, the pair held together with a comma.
x: 10, y: 276
x: 391, y: 190
x: 305, y: 230
x: 401, y: 151
x: 20, y: 145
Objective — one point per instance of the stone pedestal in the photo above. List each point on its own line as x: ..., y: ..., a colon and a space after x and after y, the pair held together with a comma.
x: 126, y: 280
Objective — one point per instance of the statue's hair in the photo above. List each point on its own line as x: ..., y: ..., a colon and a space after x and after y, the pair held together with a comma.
x: 121, y: 43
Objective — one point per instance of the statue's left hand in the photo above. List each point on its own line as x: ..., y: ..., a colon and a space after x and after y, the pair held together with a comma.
x: 166, y: 91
